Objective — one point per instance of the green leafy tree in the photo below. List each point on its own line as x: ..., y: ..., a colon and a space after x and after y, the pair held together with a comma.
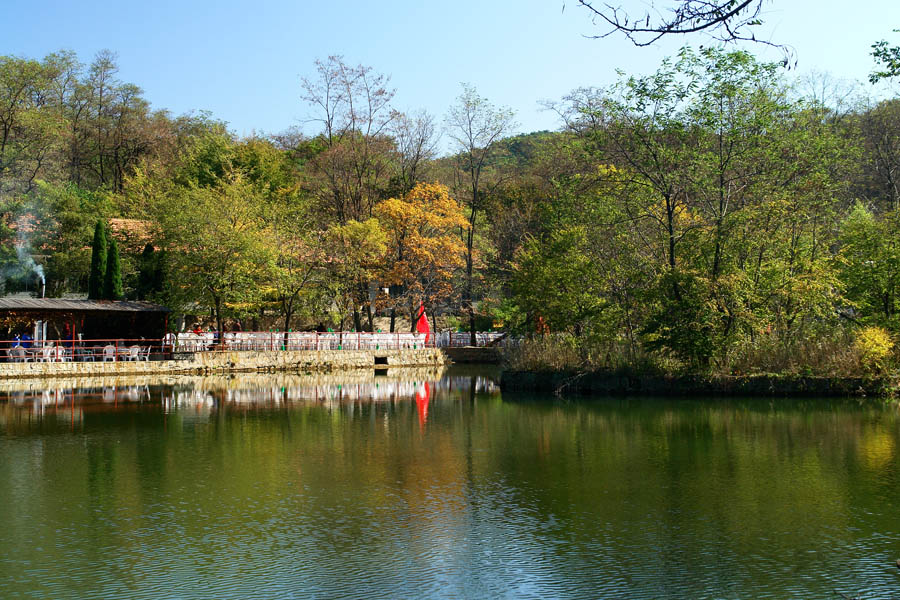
x: 31, y: 124
x: 99, y: 253
x: 298, y: 252
x: 869, y: 265
x: 112, y: 279
x: 151, y: 274
x: 66, y: 218
x: 474, y: 125
x: 356, y: 257
x: 217, y: 254
x: 289, y: 226
x: 728, y: 188
x: 207, y: 219
x: 887, y: 58
x: 559, y: 281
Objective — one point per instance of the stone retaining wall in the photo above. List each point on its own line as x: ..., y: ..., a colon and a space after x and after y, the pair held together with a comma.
x: 471, y: 354
x: 234, y: 381
x: 613, y: 384
x: 236, y: 361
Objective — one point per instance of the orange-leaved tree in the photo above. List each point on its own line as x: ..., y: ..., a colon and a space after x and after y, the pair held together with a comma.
x: 425, y: 246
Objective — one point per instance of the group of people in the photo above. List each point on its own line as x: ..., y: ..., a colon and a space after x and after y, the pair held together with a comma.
x: 22, y: 341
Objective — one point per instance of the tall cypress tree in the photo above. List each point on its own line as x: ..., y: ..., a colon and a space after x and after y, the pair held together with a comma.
x: 112, y: 282
x: 98, y: 262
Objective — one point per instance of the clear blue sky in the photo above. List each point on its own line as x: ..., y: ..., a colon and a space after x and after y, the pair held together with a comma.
x: 243, y: 60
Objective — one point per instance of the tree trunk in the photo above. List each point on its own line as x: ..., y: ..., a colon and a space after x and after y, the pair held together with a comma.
x: 218, y: 315
x: 670, y: 226
x: 467, y: 300
x: 288, y: 308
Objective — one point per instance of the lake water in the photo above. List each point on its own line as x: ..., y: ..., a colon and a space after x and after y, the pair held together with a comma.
x: 420, y: 485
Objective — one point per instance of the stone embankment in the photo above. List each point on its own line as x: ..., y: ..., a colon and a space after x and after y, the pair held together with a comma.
x: 614, y: 384
x: 474, y: 355
x: 234, y: 362
x: 233, y: 381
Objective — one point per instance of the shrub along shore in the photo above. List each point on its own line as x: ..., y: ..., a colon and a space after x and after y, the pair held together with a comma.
x: 828, y: 367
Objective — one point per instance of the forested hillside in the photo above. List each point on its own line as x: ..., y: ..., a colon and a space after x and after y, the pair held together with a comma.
x: 714, y: 214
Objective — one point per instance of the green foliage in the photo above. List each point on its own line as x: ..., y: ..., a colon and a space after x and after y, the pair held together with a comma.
x: 207, y: 159
x: 112, y: 278
x: 888, y: 58
x: 701, y: 217
x: 727, y: 193
x: 684, y: 322
x: 215, y: 249
x: 357, y: 251
x: 503, y: 313
x: 558, y: 280
x: 64, y: 217
x: 151, y: 274
x: 99, y: 254
x: 869, y: 264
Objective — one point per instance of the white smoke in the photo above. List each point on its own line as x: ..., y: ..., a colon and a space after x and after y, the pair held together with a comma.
x: 26, y: 263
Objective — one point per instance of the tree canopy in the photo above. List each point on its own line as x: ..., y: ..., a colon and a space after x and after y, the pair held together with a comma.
x: 711, y: 214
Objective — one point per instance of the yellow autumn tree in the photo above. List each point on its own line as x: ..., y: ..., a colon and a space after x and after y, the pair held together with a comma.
x: 425, y: 246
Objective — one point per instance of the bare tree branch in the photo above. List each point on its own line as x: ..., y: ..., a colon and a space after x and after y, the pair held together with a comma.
x: 723, y: 20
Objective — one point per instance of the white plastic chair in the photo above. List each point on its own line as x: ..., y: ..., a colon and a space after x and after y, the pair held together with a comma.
x: 170, y: 340
x: 109, y: 353
x: 17, y: 354
x: 52, y: 354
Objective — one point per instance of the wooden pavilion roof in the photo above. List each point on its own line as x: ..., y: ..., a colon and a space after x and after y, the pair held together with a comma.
x: 39, y: 305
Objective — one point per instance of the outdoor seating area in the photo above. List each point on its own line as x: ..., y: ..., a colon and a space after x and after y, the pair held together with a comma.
x: 81, y: 351
x: 55, y: 330
x: 69, y: 330
x: 295, y: 340
x: 172, y: 345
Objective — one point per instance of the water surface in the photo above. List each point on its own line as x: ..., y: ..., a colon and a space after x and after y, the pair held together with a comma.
x: 422, y: 485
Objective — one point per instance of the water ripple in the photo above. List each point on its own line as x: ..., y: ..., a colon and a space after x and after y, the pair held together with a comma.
x: 485, y: 499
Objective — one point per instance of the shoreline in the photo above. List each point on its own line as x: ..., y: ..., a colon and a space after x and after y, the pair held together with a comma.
x: 606, y: 383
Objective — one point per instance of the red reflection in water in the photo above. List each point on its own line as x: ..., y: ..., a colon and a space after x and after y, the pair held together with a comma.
x: 423, y: 395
